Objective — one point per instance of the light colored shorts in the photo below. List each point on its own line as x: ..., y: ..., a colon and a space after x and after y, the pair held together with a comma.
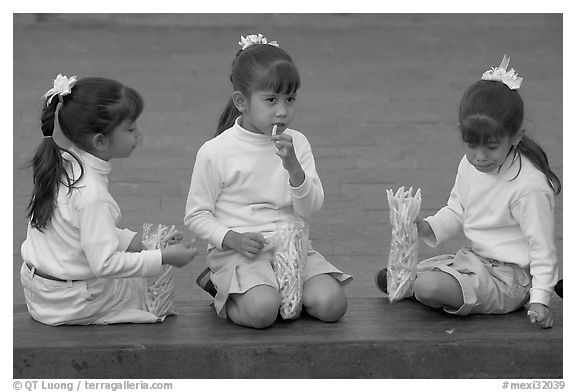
x: 488, y: 286
x: 232, y: 273
x: 83, y: 302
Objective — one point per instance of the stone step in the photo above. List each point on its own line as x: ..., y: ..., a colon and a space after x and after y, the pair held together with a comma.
x: 375, y: 339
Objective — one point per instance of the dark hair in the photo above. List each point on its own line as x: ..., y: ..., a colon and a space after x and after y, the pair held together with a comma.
x: 489, y: 109
x: 95, y: 105
x: 259, y: 67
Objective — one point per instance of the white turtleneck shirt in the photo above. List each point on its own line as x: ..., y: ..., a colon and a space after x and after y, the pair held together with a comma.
x: 238, y: 183
x: 505, y: 218
x: 81, y: 240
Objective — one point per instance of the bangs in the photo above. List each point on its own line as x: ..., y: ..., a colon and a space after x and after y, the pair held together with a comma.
x: 130, y: 106
x: 281, y: 78
x: 480, y: 130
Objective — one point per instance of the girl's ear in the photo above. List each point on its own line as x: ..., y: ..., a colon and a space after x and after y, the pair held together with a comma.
x: 100, y: 142
x: 239, y: 101
x: 519, y: 135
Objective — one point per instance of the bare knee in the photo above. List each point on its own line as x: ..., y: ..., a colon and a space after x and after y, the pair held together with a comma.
x: 427, y: 288
x: 332, y: 309
x: 256, y: 308
x: 325, y: 300
x: 262, y: 311
x: 437, y: 289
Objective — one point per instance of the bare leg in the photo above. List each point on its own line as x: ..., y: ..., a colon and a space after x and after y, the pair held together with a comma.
x: 437, y: 289
x: 256, y: 308
x: 324, y: 298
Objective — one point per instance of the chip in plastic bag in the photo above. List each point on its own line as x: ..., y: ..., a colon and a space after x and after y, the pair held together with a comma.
x: 160, y: 292
x: 403, y: 256
x: 288, y: 262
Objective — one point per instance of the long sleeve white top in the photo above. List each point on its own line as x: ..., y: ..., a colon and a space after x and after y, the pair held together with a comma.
x: 504, y: 218
x: 238, y: 183
x: 81, y: 240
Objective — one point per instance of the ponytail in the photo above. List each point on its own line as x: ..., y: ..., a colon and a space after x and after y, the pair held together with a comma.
x: 537, y: 156
x: 227, y: 117
x: 49, y: 169
x: 85, y: 107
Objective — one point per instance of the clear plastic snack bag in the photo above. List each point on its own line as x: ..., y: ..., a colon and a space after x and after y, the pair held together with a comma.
x: 160, y: 291
x: 288, y: 262
x: 403, y: 256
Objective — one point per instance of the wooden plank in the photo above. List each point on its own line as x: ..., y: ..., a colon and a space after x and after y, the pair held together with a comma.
x: 375, y: 339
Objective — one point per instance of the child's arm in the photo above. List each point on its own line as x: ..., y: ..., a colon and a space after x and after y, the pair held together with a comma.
x: 100, y: 242
x: 535, y: 215
x: 306, y: 188
x: 285, y: 145
x: 180, y: 254
x: 135, y: 244
x: 444, y: 224
x: 424, y: 229
x: 136, y: 240
x: 205, y: 187
x: 130, y: 241
x: 108, y: 256
x: 448, y: 220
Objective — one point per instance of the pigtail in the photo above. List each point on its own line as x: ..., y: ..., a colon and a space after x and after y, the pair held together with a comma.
x: 49, y: 170
x: 84, y: 107
x: 227, y: 117
x: 532, y: 150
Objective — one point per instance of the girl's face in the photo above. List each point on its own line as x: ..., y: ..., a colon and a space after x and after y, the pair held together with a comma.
x: 124, y: 139
x: 264, y: 109
x: 488, y: 157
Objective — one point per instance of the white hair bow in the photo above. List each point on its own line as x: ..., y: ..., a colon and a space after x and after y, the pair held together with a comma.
x: 62, y: 87
x: 509, y: 78
x: 254, y: 39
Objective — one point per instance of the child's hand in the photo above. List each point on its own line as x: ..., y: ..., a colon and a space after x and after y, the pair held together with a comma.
x: 173, y: 237
x: 179, y: 254
x: 541, y: 314
x: 424, y: 229
x: 283, y: 143
x: 248, y: 245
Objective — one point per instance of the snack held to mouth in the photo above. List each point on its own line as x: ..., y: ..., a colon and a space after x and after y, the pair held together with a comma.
x: 160, y: 291
x: 288, y: 263
x: 403, y: 256
x: 274, y: 130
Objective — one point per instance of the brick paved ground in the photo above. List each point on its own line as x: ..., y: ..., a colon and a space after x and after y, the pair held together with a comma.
x: 378, y: 103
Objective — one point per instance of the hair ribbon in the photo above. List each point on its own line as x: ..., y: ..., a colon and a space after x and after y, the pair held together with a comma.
x: 509, y: 78
x: 62, y: 86
x: 254, y: 39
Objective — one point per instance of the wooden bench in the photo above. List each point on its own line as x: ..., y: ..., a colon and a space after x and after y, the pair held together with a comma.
x: 375, y: 339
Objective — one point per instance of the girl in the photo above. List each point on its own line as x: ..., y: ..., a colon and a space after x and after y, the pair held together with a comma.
x: 503, y: 198
x: 245, y: 180
x: 79, y: 267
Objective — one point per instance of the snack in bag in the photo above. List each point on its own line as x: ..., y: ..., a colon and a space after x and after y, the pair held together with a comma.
x: 288, y: 263
x: 160, y: 291
x: 403, y: 256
